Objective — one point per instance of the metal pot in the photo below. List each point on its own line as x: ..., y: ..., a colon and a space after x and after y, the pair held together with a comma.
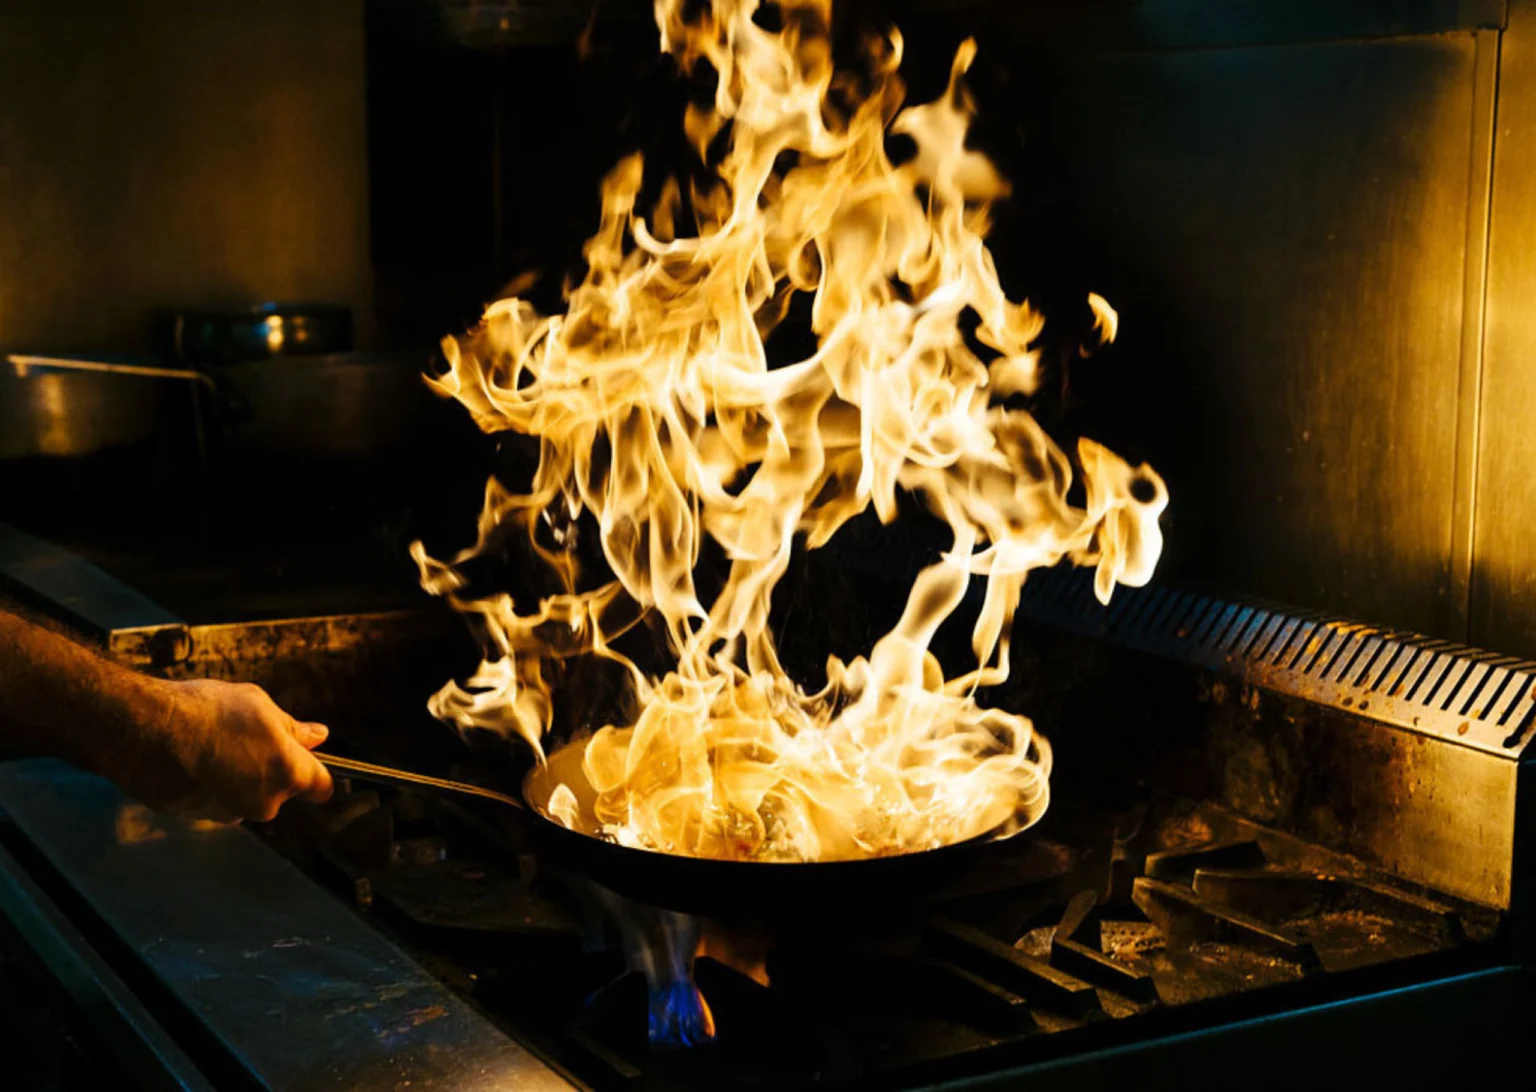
x: 256, y: 332
x: 344, y: 406
x: 66, y: 408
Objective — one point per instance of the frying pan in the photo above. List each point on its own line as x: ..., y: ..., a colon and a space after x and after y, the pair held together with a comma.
x: 699, y: 885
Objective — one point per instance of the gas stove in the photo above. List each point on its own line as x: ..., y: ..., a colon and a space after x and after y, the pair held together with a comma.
x: 1137, y: 916
x: 1275, y: 839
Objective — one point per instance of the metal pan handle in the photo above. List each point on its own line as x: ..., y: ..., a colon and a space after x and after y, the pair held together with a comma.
x: 368, y: 771
x: 25, y: 363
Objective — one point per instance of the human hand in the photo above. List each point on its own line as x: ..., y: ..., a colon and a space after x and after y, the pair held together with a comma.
x: 223, y: 751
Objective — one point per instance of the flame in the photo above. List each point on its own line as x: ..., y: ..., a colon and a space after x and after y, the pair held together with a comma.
x: 658, y: 413
x: 679, y: 1016
x: 662, y: 945
x: 1106, y: 320
x: 563, y: 808
x: 744, y: 953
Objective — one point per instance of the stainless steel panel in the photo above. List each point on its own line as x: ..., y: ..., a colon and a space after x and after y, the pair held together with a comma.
x: 1285, y: 233
x: 1406, y: 801
x: 108, y: 1006
x: 1474, y: 292
x: 1421, y: 782
x: 1504, y: 574
x: 292, y: 985
x: 72, y: 590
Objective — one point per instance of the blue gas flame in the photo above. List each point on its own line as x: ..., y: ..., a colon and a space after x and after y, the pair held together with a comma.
x: 679, y: 1016
x: 661, y: 945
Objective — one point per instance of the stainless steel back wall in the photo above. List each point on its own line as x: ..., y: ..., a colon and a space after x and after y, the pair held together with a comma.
x: 1284, y: 229
x: 1504, y: 573
x: 1291, y: 210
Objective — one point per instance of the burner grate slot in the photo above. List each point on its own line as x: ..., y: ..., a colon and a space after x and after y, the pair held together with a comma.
x: 1518, y: 735
x: 1437, y: 669
x: 1182, y: 914
x: 1140, y: 606
x: 1301, y: 639
x: 1223, y: 637
x: 1184, y: 606
x: 1401, y: 651
x: 1168, y: 605
x: 1423, y: 660
x: 1345, y: 665
x: 1181, y: 864
x: 1264, y: 645
x: 972, y: 997
x: 1190, y: 620
x: 1346, y: 643
x: 1476, y: 682
x: 1320, y: 651
x: 1440, y: 697
x: 1501, y: 713
x: 1498, y: 681
x: 1120, y: 605
x: 1213, y: 619
x: 1250, y: 632
x: 1377, y: 647
x: 1092, y: 965
x: 1275, y: 896
x: 1039, y: 982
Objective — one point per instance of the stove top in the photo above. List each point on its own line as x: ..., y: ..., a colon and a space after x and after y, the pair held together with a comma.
x: 1121, y: 916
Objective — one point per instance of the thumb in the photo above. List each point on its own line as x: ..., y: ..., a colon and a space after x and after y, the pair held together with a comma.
x: 308, y: 734
x: 311, y: 780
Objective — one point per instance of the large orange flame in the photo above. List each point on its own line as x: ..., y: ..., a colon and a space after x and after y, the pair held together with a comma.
x: 658, y: 413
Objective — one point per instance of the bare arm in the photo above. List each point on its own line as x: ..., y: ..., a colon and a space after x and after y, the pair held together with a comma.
x: 212, y: 749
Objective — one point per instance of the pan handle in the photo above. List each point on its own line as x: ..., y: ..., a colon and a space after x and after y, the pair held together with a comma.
x: 368, y: 771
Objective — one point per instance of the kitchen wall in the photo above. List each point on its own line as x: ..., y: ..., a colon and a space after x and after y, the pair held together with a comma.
x: 174, y: 153
x: 1504, y: 555
x: 1318, y: 222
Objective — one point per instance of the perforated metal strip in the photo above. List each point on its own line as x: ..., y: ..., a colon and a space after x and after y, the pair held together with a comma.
x: 1473, y: 697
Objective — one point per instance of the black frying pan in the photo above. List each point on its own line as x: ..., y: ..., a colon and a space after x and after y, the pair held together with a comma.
x: 701, y: 885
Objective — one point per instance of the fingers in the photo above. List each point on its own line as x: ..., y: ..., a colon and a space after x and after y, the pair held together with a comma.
x: 258, y: 756
x: 309, y: 734
x: 309, y: 779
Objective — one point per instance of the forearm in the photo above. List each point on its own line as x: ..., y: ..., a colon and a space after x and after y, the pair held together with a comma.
x: 60, y: 699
